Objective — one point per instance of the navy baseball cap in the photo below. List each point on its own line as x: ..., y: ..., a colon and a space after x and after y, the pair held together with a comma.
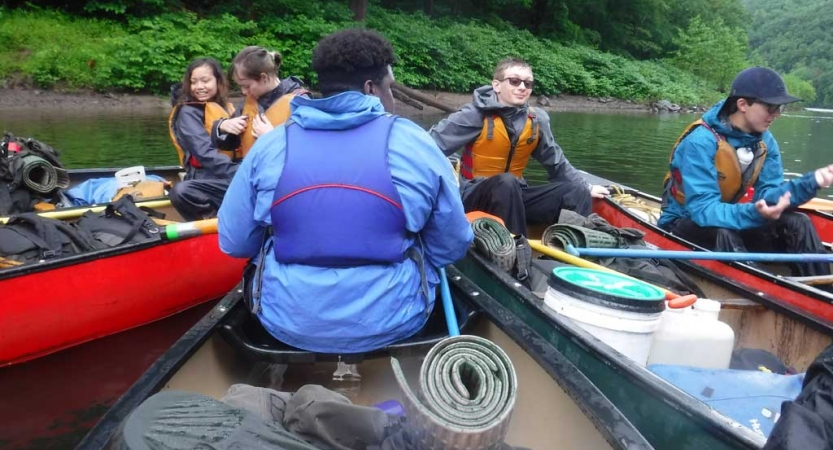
x: 762, y: 84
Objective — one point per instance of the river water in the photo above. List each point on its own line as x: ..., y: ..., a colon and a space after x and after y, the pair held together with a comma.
x: 630, y: 148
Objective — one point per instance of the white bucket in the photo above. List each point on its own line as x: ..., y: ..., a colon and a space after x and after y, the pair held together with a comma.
x: 130, y: 176
x: 631, y: 334
x: 630, y: 331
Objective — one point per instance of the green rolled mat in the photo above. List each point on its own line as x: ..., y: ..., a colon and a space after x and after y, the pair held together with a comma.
x: 467, y: 391
x: 494, y: 241
x: 42, y: 177
x: 560, y: 234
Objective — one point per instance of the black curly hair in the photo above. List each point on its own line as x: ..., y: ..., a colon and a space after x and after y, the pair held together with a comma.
x: 344, y: 60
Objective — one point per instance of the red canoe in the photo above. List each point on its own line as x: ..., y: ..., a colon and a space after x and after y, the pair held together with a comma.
x: 775, y: 291
x: 58, y: 304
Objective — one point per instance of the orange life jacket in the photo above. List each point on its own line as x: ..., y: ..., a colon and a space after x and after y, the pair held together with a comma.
x: 493, y: 152
x: 729, y: 175
x: 276, y: 114
x: 212, y: 113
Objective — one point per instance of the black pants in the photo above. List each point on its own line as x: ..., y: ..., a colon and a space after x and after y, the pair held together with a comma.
x: 517, y: 204
x: 792, y: 233
x: 198, y: 199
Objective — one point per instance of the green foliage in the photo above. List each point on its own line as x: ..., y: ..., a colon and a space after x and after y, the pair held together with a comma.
x: 119, y: 8
x: 52, y: 49
x: 795, y: 37
x: 155, y: 51
x: 800, y: 88
x: 148, y: 54
x: 712, y: 51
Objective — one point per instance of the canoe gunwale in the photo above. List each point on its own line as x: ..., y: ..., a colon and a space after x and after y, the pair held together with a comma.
x: 724, y: 427
x: 30, y: 268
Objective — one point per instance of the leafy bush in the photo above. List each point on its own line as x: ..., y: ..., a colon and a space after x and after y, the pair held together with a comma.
x: 148, y: 54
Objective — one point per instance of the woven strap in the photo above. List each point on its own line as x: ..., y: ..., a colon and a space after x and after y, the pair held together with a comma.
x: 560, y: 235
x: 494, y: 241
x: 467, y: 390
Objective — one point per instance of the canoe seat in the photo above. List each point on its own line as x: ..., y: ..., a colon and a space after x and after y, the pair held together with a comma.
x: 244, y: 332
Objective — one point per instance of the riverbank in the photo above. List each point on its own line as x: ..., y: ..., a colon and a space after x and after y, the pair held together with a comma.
x: 31, y: 99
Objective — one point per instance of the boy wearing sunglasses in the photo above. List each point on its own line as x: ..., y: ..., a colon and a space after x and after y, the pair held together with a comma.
x: 498, y: 133
x: 716, y: 161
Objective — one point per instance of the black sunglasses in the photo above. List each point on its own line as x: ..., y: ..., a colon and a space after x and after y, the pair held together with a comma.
x: 772, y: 109
x: 515, y: 82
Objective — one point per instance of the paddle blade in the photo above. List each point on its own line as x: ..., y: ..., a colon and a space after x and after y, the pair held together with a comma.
x: 818, y: 204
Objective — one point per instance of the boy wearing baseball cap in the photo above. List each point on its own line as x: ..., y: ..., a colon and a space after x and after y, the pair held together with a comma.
x: 729, y: 152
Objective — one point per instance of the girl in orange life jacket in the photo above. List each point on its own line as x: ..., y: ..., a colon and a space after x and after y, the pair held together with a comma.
x: 266, y: 103
x: 201, y: 99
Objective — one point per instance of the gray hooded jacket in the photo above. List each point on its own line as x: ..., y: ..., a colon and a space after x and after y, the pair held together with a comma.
x: 464, y: 126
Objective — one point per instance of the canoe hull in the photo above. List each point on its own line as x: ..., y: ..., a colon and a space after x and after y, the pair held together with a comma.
x: 47, y: 309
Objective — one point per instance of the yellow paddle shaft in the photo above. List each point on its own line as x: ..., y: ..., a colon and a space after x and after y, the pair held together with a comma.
x: 576, y: 261
x: 77, y: 212
x: 189, y: 229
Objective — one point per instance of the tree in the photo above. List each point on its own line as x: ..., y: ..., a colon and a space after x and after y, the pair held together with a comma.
x: 359, y: 8
x: 712, y: 51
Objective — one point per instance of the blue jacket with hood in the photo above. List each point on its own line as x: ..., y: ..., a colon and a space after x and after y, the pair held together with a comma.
x: 354, y: 309
x: 694, y: 159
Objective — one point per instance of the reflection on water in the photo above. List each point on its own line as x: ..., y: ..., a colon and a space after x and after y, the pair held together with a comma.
x: 631, y: 149
x: 96, y: 138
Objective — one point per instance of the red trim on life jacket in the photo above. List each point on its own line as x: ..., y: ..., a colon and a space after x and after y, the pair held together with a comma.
x: 344, y: 186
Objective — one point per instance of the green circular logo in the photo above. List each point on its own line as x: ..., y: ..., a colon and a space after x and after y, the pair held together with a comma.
x: 609, y: 283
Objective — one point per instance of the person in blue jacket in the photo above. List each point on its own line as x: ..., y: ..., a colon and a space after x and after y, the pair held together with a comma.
x: 720, y: 157
x: 358, y: 209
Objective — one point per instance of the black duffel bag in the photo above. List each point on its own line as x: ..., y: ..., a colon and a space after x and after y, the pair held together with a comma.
x: 30, y: 238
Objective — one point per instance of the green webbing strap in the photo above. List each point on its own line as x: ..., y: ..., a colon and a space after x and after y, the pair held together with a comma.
x: 467, y: 390
x: 561, y: 235
x: 494, y: 241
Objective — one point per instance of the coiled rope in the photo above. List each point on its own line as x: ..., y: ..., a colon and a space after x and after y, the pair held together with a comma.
x: 646, y: 212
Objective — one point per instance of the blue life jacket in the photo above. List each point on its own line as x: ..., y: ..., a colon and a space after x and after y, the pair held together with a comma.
x: 335, y: 204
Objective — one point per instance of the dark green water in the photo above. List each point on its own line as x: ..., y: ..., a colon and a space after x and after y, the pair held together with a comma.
x: 631, y: 149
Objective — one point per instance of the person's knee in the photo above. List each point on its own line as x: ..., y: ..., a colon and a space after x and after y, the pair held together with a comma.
x: 505, y: 182
x: 578, y: 198
x: 795, y: 221
x: 178, y: 192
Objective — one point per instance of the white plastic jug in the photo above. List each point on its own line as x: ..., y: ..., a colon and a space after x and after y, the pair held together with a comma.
x: 130, y: 176
x: 693, y: 337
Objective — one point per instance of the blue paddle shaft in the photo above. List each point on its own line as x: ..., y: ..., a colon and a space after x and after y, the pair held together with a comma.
x: 712, y: 256
x: 450, y: 314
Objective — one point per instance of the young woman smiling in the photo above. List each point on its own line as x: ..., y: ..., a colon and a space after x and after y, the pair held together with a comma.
x: 200, y: 100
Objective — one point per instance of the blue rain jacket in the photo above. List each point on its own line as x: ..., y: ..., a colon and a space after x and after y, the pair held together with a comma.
x: 354, y: 309
x: 695, y: 160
